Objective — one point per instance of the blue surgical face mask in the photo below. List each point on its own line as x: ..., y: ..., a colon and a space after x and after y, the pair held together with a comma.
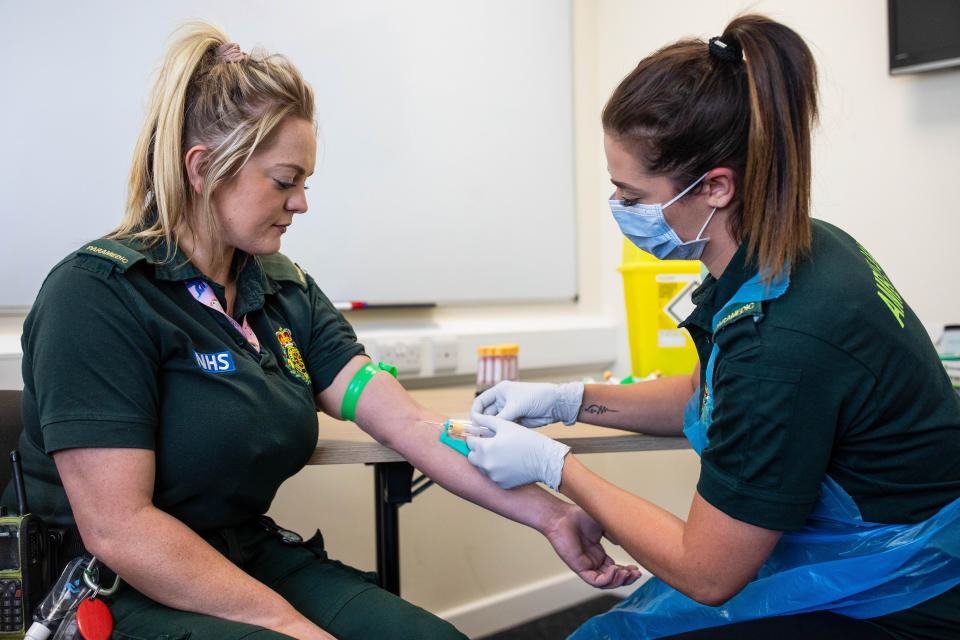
x: 646, y: 227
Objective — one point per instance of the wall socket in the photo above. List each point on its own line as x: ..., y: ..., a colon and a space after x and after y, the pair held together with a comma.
x: 445, y: 354
x: 406, y: 354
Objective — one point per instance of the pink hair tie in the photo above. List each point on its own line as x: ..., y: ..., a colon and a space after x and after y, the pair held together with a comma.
x: 230, y: 52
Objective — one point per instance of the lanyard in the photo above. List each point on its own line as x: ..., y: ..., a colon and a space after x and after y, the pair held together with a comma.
x: 204, y: 294
x: 698, y: 414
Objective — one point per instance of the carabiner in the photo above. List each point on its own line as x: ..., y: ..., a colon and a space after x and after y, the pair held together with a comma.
x: 97, y: 590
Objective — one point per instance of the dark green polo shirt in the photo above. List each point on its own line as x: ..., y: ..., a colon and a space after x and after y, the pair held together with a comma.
x: 839, y: 377
x: 118, y: 353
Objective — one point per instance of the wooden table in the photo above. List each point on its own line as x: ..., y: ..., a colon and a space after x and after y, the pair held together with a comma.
x: 344, y: 443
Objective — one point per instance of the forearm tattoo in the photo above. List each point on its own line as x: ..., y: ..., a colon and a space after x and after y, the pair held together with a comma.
x: 598, y: 409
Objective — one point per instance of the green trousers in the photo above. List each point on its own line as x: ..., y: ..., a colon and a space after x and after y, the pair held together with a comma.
x: 340, y: 599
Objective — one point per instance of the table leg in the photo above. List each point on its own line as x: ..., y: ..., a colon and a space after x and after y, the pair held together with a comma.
x: 392, y: 482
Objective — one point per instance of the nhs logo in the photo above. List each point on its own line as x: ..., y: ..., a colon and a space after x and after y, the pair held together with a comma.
x: 215, y: 362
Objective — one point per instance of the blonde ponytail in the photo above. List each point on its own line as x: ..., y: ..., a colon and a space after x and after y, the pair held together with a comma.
x: 206, y: 93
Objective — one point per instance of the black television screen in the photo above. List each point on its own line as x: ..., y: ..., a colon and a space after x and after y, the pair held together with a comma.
x: 924, y: 35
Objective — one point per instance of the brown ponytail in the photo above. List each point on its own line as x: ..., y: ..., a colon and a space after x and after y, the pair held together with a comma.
x: 686, y: 111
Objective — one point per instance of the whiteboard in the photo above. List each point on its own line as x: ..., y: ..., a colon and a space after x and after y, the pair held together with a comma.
x: 445, y: 165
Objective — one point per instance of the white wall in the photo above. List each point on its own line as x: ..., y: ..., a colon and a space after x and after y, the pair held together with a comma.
x: 885, y: 159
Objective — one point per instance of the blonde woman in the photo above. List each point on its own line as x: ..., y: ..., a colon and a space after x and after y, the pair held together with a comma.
x: 173, y: 370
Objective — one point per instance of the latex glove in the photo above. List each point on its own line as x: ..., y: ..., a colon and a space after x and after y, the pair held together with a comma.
x: 575, y: 536
x: 514, y: 456
x: 532, y: 404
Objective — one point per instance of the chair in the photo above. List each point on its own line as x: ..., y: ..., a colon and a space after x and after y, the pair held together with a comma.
x: 11, y: 424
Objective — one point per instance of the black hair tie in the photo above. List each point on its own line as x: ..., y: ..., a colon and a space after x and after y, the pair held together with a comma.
x: 723, y: 51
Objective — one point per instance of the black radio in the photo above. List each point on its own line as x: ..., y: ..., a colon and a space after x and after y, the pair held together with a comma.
x: 23, y: 570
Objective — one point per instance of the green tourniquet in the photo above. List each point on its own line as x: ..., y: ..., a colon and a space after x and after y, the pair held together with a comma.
x: 389, y: 368
x: 829, y: 381
x: 118, y: 353
x: 352, y: 394
x: 360, y: 379
x: 344, y: 601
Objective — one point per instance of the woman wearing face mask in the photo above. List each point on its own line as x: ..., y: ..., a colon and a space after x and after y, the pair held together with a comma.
x: 173, y: 372
x: 828, y: 504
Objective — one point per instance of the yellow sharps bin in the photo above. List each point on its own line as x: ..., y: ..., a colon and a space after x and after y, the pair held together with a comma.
x: 657, y: 295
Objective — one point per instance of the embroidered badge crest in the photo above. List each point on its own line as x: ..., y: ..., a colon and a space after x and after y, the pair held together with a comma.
x: 291, y: 355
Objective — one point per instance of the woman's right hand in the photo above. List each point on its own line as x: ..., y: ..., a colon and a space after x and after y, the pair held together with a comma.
x: 531, y: 404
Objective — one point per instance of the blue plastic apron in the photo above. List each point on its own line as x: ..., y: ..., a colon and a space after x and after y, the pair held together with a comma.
x: 837, y: 563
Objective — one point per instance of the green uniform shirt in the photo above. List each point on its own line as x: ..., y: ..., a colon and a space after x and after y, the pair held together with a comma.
x: 839, y: 377
x: 118, y: 353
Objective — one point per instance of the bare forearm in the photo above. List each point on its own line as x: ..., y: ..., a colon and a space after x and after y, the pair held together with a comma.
x: 651, y: 535
x: 418, y: 441
x: 166, y: 561
x: 654, y: 407
x: 393, y: 418
x: 710, y: 557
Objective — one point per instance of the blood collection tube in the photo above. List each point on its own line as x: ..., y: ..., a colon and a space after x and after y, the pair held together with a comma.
x: 498, y: 354
x: 484, y: 370
x: 510, y: 369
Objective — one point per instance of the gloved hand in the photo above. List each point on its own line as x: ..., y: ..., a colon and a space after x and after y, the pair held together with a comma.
x: 514, y: 456
x: 532, y: 404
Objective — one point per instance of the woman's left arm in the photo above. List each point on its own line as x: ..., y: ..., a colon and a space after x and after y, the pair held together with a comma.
x: 387, y: 412
x: 708, y: 558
